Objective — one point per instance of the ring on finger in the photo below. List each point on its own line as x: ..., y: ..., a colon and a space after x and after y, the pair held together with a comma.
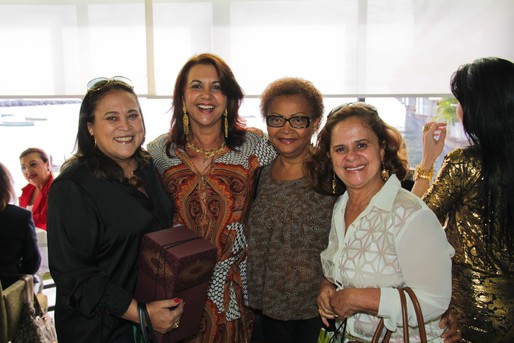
x: 425, y: 128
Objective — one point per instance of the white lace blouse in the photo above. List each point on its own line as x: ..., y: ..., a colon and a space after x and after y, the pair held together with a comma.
x: 396, y: 241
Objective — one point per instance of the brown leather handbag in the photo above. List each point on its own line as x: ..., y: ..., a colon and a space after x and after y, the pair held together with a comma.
x: 419, y: 317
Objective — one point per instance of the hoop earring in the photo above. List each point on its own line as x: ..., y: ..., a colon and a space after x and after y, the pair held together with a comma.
x: 225, y: 114
x: 185, y: 120
x: 385, y: 173
x: 334, y: 183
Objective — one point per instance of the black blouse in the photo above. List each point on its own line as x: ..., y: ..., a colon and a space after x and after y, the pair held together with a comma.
x: 19, y: 253
x: 94, y: 234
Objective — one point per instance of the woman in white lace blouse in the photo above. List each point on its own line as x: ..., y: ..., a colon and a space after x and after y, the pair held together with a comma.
x: 382, y: 236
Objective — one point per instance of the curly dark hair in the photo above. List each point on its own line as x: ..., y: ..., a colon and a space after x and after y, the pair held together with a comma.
x: 293, y: 86
x: 229, y: 87
x: 319, y: 168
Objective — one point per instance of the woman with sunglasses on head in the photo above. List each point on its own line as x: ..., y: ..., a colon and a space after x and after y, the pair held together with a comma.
x: 473, y: 194
x: 35, y: 166
x: 289, y: 222
x: 206, y: 163
x: 382, y: 236
x: 105, y: 199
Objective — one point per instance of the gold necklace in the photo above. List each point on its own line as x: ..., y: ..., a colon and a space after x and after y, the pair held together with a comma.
x: 206, y: 153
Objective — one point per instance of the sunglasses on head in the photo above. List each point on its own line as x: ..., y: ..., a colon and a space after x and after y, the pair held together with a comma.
x: 100, y: 82
x: 360, y: 103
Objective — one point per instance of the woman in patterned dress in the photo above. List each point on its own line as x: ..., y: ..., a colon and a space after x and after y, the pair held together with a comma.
x: 206, y: 163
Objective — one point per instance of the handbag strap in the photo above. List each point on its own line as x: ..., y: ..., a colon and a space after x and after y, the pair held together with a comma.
x: 149, y: 326
x: 419, y: 314
x: 142, y: 321
x: 405, y: 319
x: 145, y: 323
x: 378, y: 332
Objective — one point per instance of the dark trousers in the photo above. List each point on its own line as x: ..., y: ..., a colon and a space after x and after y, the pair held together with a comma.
x: 291, y: 331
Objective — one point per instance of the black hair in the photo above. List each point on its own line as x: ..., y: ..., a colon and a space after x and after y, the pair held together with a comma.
x: 485, y: 91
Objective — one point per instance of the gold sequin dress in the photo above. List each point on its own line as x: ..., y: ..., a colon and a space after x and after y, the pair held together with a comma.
x: 483, y: 278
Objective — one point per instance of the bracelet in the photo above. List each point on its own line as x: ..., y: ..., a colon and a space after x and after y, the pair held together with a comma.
x: 424, y: 174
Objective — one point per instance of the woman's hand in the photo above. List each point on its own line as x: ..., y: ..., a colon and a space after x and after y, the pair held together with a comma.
x: 326, y: 291
x: 450, y: 323
x: 346, y: 302
x: 433, y: 137
x: 165, y: 314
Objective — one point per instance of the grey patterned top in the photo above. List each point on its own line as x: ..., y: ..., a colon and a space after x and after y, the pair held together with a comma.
x: 288, y: 228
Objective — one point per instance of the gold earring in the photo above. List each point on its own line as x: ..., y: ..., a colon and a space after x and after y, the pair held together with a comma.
x: 225, y: 114
x: 385, y: 173
x: 333, y: 183
x: 185, y: 120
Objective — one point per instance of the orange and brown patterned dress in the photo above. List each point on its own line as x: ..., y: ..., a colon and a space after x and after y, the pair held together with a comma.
x: 213, y: 204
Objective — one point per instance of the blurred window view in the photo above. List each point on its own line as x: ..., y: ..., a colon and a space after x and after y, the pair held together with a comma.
x: 51, y: 124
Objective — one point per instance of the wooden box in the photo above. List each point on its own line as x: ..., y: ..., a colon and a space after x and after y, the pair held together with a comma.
x: 176, y: 263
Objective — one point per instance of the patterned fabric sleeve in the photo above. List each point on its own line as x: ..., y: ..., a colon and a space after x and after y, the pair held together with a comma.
x: 263, y: 149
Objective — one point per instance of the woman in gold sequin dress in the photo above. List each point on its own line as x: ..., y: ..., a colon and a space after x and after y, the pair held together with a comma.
x: 474, y: 195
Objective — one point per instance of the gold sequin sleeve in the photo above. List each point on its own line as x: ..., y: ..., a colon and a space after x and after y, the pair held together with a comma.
x: 455, y: 199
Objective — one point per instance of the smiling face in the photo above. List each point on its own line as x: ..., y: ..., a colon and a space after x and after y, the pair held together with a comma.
x: 204, y: 100
x: 35, y: 170
x: 288, y: 141
x: 118, y: 126
x: 356, y: 155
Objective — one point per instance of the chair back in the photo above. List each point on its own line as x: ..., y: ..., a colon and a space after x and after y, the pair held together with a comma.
x: 13, y: 298
x: 3, y: 318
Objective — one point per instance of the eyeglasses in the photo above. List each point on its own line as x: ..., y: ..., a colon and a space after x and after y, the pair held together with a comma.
x: 297, y: 122
x: 360, y: 103
x: 101, y: 82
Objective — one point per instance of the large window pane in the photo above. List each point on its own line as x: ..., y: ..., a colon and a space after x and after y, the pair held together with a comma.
x: 346, y: 47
